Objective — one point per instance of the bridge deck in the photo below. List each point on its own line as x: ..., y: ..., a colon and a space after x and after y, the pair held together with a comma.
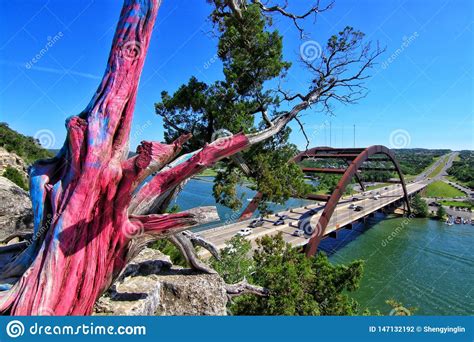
x: 341, y: 217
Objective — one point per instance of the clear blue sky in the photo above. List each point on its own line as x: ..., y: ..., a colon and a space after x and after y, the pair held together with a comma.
x: 421, y: 98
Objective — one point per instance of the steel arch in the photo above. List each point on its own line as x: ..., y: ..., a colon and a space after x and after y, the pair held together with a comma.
x: 358, y: 156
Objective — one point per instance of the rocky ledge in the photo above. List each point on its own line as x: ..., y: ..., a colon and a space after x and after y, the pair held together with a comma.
x: 151, y: 285
x: 15, y: 209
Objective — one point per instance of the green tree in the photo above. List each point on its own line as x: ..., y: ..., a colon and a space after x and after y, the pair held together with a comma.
x: 28, y: 148
x: 246, y: 99
x: 298, y: 285
x: 235, y: 263
x: 16, y: 177
x: 441, y: 212
x: 419, y: 206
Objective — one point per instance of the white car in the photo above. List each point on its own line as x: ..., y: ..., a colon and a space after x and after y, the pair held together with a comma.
x: 244, y: 232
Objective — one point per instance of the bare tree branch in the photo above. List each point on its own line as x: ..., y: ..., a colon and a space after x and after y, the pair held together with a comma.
x: 315, y: 9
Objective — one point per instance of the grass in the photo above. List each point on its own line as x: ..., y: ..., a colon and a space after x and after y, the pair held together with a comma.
x: 438, y: 168
x: 443, y: 190
x: 377, y: 186
x: 457, y: 204
x: 454, y: 180
x: 208, y: 173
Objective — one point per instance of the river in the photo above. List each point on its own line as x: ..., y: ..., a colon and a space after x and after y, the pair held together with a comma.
x: 421, y: 263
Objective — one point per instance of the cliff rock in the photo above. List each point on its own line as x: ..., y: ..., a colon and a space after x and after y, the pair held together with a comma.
x: 151, y: 285
x: 15, y: 209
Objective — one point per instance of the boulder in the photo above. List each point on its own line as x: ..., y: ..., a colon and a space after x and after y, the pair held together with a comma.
x: 151, y: 285
x: 15, y: 209
x: 12, y: 160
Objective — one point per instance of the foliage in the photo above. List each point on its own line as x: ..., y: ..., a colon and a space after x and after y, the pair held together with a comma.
x: 438, y: 168
x: 443, y: 190
x: 16, y: 177
x: 463, y: 169
x: 26, y: 147
x: 251, y: 53
x: 168, y: 248
x: 414, y: 161
x: 459, y: 204
x: 441, y: 212
x: 298, y: 285
x: 419, y: 206
x: 235, y: 264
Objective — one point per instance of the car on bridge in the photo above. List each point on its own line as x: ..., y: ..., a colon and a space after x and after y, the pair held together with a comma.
x: 256, y: 223
x: 245, y: 232
x: 279, y: 222
x: 359, y: 208
x: 298, y: 232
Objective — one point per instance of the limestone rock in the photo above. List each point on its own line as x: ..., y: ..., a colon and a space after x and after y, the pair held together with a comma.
x: 150, y: 285
x: 15, y: 209
x: 12, y: 160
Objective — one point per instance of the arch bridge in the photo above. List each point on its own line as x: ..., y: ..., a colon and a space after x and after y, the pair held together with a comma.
x: 349, y: 163
x: 352, y: 162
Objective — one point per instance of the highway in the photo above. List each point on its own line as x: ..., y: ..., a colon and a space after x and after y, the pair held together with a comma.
x: 342, y: 216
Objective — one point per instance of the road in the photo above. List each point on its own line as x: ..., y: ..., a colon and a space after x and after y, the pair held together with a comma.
x: 441, y: 159
x: 442, y: 175
x: 342, y: 216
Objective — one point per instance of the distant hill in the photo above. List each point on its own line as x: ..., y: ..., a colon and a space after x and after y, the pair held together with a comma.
x: 24, y: 146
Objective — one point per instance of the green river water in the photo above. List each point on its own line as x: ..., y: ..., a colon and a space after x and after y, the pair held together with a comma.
x: 427, y: 264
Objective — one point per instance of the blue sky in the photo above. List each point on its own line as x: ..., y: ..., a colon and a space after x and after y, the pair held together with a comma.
x: 423, y: 97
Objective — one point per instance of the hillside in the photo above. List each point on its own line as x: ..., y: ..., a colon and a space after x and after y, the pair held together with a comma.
x: 26, y: 147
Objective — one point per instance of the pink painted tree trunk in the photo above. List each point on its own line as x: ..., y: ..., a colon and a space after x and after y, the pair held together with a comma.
x: 85, y: 198
x: 81, y: 197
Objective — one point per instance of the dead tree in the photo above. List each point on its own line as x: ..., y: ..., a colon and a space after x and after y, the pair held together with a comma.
x: 90, y: 213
